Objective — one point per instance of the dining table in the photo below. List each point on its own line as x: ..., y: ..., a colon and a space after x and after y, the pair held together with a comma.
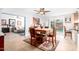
x: 44, y: 29
x: 49, y: 34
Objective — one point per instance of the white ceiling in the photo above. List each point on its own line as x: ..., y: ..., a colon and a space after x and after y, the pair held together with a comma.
x: 26, y: 11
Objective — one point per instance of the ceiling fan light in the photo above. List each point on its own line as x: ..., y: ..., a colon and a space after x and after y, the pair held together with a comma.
x: 41, y: 13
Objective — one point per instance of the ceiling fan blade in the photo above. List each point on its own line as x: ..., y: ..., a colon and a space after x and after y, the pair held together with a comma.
x: 77, y: 8
x: 43, y: 13
x: 47, y: 11
x: 36, y: 10
x: 38, y: 13
x: 42, y: 9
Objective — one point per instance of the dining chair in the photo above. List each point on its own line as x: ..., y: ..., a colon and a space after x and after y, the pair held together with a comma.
x: 32, y: 35
x: 67, y: 32
x: 40, y: 36
x: 52, y: 35
x: 36, y: 36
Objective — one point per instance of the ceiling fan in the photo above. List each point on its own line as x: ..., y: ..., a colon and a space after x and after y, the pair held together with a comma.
x: 42, y: 11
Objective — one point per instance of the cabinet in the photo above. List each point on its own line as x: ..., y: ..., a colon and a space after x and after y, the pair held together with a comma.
x: 5, y: 30
x: 74, y: 17
x: 1, y: 43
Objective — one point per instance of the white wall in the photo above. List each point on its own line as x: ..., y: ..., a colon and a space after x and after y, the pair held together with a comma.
x: 44, y: 19
x: 7, y: 17
x: 28, y: 22
x: 29, y: 17
x: 29, y: 13
x: 20, y: 19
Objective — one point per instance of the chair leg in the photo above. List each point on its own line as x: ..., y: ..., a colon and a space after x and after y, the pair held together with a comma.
x: 52, y: 41
x: 71, y: 35
x: 64, y: 35
x: 31, y: 40
x: 55, y: 40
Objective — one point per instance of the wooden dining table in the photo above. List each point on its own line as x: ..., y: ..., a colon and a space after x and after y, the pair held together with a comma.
x: 44, y: 29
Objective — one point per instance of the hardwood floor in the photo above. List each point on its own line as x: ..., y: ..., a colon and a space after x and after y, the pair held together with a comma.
x: 14, y: 42
x: 66, y: 45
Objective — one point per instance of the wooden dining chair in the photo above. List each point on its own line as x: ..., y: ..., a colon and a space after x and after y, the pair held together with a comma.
x: 67, y: 32
x: 36, y: 37
x: 40, y: 36
x: 53, y: 36
x: 32, y: 35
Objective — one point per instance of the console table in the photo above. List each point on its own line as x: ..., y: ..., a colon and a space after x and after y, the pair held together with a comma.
x: 5, y: 30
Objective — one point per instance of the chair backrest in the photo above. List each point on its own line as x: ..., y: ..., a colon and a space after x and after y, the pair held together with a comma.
x: 54, y: 31
x: 64, y: 29
x: 32, y: 32
x: 43, y: 32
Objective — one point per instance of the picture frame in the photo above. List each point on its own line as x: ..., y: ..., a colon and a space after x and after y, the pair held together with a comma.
x: 19, y: 23
x: 67, y: 20
x: 36, y: 20
x: 3, y: 21
x: 12, y: 22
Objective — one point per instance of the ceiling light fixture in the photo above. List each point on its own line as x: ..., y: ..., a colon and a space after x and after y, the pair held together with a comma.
x: 42, y: 11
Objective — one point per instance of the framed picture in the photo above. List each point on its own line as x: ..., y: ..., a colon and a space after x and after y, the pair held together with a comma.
x: 67, y: 20
x: 3, y: 21
x: 36, y: 20
x: 12, y: 22
x: 19, y: 23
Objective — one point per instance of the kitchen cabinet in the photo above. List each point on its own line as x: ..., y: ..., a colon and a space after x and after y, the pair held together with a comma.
x: 74, y: 17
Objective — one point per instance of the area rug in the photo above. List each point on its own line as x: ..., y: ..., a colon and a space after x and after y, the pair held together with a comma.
x: 43, y: 46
